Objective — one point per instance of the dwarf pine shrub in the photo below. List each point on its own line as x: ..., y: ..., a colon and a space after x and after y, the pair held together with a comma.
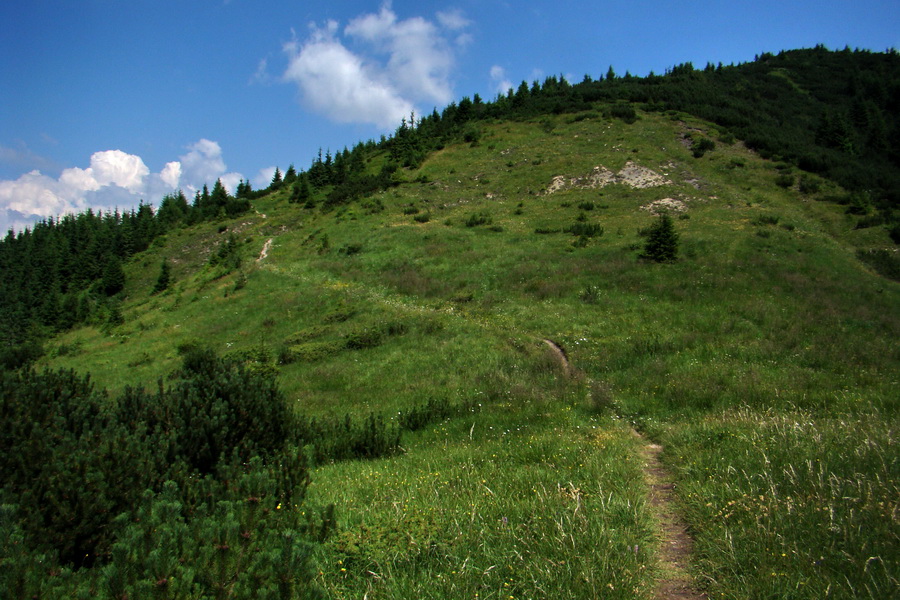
x: 196, y: 486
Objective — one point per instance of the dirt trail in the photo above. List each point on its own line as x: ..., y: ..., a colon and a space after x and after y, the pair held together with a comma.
x: 675, y: 543
x: 560, y: 356
x: 265, y: 250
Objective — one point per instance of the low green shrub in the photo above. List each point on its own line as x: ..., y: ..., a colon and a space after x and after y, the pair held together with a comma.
x: 885, y: 262
x: 314, y: 351
x: 479, y: 218
x: 585, y: 230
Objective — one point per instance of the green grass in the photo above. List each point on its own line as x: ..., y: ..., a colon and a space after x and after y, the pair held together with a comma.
x: 764, y: 359
x: 794, y: 504
x: 543, y: 505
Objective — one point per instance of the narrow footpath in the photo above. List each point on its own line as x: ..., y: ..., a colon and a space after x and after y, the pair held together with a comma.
x: 675, y: 543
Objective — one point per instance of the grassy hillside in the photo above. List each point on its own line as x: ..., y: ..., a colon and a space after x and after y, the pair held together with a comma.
x: 764, y: 360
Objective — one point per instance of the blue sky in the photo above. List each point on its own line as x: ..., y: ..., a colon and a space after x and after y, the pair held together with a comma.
x: 107, y: 102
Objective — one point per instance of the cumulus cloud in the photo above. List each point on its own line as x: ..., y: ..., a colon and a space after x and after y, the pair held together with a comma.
x: 114, y: 180
x: 111, y: 167
x: 334, y: 82
x: 171, y: 174
x: 501, y: 82
x: 264, y: 177
x: 394, y: 65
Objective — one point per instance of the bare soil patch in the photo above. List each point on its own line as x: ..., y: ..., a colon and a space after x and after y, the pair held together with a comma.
x: 265, y: 250
x: 675, y: 543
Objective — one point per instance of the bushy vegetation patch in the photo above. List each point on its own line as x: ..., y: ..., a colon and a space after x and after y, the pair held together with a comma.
x: 885, y: 262
x: 201, y: 468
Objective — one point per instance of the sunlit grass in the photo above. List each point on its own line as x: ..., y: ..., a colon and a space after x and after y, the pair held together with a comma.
x: 765, y: 359
x: 496, y: 506
x: 793, y: 504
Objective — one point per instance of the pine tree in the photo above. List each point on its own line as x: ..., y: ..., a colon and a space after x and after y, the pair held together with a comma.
x: 276, y: 180
x: 662, y: 241
x: 290, y: 176
x: 165, y: 277
x: 113, y: 277
x: 219, y: 198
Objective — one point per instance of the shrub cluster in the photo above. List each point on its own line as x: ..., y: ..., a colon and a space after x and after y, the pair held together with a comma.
x: 187, y: 486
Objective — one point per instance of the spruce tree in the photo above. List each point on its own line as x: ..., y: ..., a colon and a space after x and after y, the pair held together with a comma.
x: 277, y: 180
x: 113, y: 277
x: 662, y: 241
x: 165, y: 277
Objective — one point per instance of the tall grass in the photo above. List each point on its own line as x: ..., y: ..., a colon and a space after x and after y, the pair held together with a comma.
x: 792, y: 504
x: 533, y: 505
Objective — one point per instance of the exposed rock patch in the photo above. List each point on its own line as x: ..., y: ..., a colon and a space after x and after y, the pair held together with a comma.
x: 632, y: 175
x: 664, y: 205
x: 265, y: 250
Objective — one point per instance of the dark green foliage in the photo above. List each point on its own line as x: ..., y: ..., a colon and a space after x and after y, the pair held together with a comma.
x: 763, y: 220
x: 479, y: 218
x: 662, y: 241
x: 584, y: 230
x: 113, y: 277
x: 894, y: 233
x: 364, y: 338
x: 590, y: 295
x: 195, y: 487
x: 277, y: 180
x: 300, y: 192
x: 350, y: 249
x: 784, y: 180
x: 885, y: 262
x: 702, y: 146
x: 19, y: 355
x: 227, y: 256
x: 432, y: 411
x: 623, y: 111
x: 860, y: 203
x: 809, y: 184
x: 165, y: 277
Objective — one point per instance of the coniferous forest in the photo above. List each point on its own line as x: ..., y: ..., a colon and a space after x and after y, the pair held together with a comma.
x: 197, y: 484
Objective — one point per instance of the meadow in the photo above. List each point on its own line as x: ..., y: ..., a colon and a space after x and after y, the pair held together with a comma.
x: 764, y: 361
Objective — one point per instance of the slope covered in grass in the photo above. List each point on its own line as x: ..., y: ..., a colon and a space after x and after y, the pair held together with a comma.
x: 764, y: 359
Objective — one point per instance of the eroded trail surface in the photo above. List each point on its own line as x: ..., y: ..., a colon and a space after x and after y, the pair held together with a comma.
x: 265, y: 249
x: 675, y: 543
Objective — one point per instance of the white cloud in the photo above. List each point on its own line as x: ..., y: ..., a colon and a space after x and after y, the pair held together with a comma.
x: 453, y: 20
x: 202, y: 164
x: 263, y: 178
x: 114, y: 167
x: 396, y: 63
x: 335, y: 83
x: 35, y: 194
x: 114, y: 179
x: 502, y: 84
x: 171, y: 174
